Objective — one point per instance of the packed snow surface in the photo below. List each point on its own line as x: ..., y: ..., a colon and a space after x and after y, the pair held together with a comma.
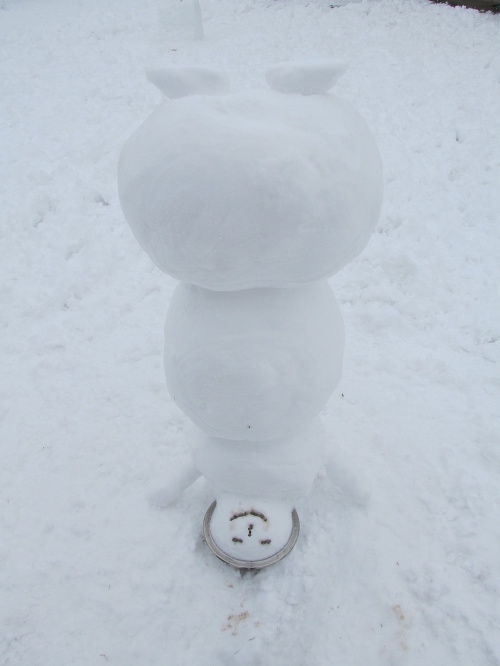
x: 252, y: 189
x: 397, y: 562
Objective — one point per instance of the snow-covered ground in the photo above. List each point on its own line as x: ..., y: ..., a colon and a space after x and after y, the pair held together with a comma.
x: 398, y: 560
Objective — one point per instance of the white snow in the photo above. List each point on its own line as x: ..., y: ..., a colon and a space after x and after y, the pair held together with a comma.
x: 180, y: 20
x: 397, y: 560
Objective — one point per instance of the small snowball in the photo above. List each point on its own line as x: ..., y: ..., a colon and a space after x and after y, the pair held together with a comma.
x: 182, y: 81
x: 310, y: 77
x: 279, y: 468
x: 180, y: 479
x: 256, y: 364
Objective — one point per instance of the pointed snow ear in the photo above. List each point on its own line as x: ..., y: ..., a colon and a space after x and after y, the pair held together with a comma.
x: 178, y: 82
x: 308, y: 77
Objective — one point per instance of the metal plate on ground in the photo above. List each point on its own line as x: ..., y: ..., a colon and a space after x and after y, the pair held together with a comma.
x: 249, y: 564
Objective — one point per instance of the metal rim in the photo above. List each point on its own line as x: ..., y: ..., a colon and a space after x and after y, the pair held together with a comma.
x: 248, y: 564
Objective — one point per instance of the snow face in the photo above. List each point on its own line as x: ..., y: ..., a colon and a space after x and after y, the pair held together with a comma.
x: 282, y: 468
x: 254, y: 189
x: 180, y: 19
x: 253, y: 365
x: 250, y: 528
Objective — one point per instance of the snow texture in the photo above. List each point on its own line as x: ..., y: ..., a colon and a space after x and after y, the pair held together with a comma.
x: 397, y: 560
x: 253, y: 189
x: 253, y: 364
x: 180, y: 20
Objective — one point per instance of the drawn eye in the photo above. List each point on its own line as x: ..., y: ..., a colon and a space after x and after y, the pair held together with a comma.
x: 265, y: 542
x: 236, y: 540
x: 257, y: 514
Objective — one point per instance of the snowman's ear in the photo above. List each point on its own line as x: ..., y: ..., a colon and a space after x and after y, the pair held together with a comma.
x: 183, y: 81
x: 307, y: 77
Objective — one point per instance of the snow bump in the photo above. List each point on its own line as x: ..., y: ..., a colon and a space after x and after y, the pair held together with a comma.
x: 178, y: 82
x: 309, y: 77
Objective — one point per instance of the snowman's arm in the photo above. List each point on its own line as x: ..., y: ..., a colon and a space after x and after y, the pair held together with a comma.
x: 183, y: 478
x: 345, y: 481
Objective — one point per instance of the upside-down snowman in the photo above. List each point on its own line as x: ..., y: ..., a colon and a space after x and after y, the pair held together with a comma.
x: 252, y: 200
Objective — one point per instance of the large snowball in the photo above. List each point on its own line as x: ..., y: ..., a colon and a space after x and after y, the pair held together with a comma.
x: 253, y: 365
x: 261, y: 189
x: 283, y: 468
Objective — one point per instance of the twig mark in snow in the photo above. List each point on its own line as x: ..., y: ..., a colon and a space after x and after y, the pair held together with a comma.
x: 233, y: 621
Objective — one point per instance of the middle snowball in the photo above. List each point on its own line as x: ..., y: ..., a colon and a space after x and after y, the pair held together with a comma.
x: 254, y: 364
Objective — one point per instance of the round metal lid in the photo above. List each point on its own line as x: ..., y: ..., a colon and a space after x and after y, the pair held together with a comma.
x: 249, y: 564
